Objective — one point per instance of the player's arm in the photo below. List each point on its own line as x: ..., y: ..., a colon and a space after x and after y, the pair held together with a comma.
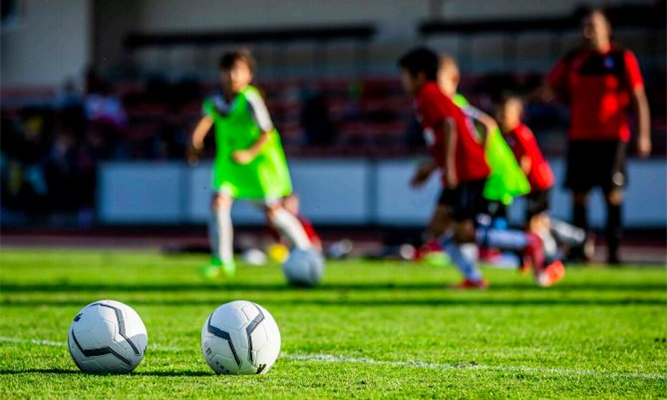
x: 484, y: 123
x: 544, y: 93
x: 526, y: 144
x: 260, y: 115
x: 555, y: 85
x: 635, y: 85
x: 451, y: 179
x: 197, y: 142
x: 247, y: 155
x: 422, y: 173
x: 640, y: 104
x: 526, y: 164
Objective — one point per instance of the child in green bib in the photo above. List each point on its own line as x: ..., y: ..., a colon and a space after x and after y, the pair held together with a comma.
x: 249, y: 163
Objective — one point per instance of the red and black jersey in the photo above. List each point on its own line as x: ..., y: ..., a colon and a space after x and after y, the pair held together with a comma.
x: 597, y: 86
x: 433, y: 109
x: 523, y: 144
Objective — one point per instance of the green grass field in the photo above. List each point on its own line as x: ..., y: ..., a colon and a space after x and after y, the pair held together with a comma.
x: 371, y: 330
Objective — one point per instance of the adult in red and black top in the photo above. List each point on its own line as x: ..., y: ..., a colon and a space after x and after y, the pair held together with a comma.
x: 599, y: 81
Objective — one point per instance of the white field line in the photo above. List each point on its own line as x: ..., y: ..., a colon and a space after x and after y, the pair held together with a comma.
x: 327, y: 358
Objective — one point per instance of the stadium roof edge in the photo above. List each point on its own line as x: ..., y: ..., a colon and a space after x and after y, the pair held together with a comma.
x: 645, y: 17
x: 356, y: 32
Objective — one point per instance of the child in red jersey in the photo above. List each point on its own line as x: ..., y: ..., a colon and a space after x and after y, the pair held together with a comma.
x: 460, y: 157
x: 527, y: 152
x: 521, y: 140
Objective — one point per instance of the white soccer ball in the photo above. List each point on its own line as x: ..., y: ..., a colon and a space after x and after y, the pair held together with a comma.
x: 107, y: 337
x: 254, y: 257
x: 304, y: 268
x: 240, y: 337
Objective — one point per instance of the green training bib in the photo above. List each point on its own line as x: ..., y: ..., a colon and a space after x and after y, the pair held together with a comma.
x: 267, y: 176
x: 506, y: 180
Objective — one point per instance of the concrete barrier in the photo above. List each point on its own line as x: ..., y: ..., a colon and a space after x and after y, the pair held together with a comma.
x: 341, y: 192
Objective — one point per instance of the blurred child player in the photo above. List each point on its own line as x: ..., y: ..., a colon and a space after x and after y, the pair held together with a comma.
x: 292, y: 203
x: 249, y: 163
x: 506, y: 180
x: 460, y: 157
x: 521, y: 140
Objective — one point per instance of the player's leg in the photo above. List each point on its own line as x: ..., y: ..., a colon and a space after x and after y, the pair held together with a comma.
x: 539, y: 249
x: 584, y: 163
x: 530, y: 245
x: 221, y: 237
x: 504, y: 239
x: 553, y: 270
x: 440, y: 222
x: 538, y: 222
x: 463, y: 232
x: 571, y: 236
x: 465, y: 202
x: 612, y: 183
x: 287, y: 224
x: 580, y: 210
x: 614, y: 229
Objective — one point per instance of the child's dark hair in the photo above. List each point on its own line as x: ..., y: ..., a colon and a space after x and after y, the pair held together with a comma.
x: 421, y: 59
x: 582, y: 13
x: 230, y: 58
x: 508, y: 97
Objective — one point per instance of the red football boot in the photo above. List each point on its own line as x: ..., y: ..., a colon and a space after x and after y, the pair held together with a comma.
x: 469, y: 284
x: 551, y: 274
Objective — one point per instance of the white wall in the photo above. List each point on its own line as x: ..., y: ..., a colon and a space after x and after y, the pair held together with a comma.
x: 49, y: 43
x: 148, y: 193
x: 350, y: 192
x: 321, y: 185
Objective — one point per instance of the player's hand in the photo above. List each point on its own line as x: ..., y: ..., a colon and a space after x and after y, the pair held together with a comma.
x: 644, y: 147
x: 193, y: 156
x: 451, y: 181
x: 418, y: 179
x: 243, y: 157
x: 421, y: 175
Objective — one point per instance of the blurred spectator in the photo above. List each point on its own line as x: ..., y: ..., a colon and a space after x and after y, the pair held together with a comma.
x: 318, y: 128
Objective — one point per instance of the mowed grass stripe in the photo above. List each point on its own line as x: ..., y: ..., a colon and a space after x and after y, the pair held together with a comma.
x: 373, y: 329
x: 328, y: 358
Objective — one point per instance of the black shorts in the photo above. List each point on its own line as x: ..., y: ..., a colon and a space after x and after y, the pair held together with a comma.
x: 537, y: 202
x: 466, y: 201
x: 596, y: 163
x: 495, y: 209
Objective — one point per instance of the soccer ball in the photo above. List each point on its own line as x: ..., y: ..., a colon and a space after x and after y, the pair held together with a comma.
x: 304, y: 268
x: 107, y: 337
x: 240, y: 337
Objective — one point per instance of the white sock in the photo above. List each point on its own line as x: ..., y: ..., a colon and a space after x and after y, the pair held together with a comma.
x: 221, y: 235
x: 290, y: 226
x: 567, y: 234
x: 549, y: 244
